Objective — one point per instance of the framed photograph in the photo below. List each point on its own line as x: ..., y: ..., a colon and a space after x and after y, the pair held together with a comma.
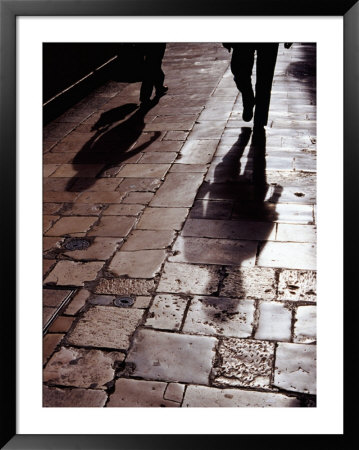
x: 185, y: 215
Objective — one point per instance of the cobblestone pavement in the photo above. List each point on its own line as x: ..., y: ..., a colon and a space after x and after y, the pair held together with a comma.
x: 179, y: 262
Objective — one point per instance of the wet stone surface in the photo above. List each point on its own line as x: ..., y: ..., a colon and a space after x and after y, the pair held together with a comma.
x: 72, y: 398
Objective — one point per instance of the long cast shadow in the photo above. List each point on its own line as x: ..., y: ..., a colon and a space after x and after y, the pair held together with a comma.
x: 112, y: 144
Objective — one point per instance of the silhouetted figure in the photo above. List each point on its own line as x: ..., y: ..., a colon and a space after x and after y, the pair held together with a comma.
x: 153, y: 76
x: 242, y: 66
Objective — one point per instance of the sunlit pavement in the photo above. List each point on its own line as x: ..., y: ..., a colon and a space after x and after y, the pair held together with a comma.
x: 179, y: 246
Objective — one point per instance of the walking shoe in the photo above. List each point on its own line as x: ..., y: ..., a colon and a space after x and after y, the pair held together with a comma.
x: 248, y: 105
x: 161, y: 91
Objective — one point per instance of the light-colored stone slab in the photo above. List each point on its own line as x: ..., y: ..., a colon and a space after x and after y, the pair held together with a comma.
x: 123, y: 210
x: 139, y: 393
x: 295, y: 367
x: 172, y: 357
x: 296, y: 233
x: 162, y: 219
x: 220, y: 316
x: 202, y: 396
x: 73, y: 226
x: 214, y: 251
x: 289, y: 255
x: 113, y: 226
x: 197, y: 152
x: 81, y: 368
x: 297, y: 285
x: 305, y: 324
x: 166, y: 312
x: 73, y: 398
x: 100, y: 249
x: 253, y: 283
x: 106, y: 327
x: 245, y: 363
x: 174, y: 392
x: 274, y: 322
x: 189, y: 279
x: 148, y: 240
x: 69, y: 273
x: 50, y: 342
x: 179, y: 190
x: 77, y: 302
x: 229, y: 229
x: 137, y: 264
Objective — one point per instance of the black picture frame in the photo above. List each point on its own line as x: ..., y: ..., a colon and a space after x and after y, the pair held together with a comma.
x: 9, y: 10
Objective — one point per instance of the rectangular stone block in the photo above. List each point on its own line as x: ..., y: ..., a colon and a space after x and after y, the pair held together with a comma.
x: 73, y: 398
x: 305, y: 324
x: 69, y: 273
x: 162, y: 219
x: 166, y: 312
x: 289, y: 255
x: 125, y: 286
x: 137, y: 264
x: 274, y: 322
x: 144, y: 170
x: 166, y: 356
x: 297, y: 285
x: 197, y: 152
x: 106, y: 327
x: 296, y: 233
x: 113, y: 226
x: 178, y: 190
x: 148, y: 240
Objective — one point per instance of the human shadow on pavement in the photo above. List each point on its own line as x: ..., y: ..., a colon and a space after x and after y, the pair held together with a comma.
x: 116, y: 132
x: 245, y: 204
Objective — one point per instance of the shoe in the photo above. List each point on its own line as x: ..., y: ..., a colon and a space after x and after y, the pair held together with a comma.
x: 248, y: 105
x: 161, y: 91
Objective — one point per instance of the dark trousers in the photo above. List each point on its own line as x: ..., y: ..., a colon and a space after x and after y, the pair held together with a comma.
x: 242, y: 66
x: 153, y: 76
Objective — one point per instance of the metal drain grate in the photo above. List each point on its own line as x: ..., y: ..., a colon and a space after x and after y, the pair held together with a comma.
x: 77, y: 244
x: 62, y: 306
x: 124, y: 302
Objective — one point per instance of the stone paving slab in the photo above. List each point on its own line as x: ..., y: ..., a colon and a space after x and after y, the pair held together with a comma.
x: 178, y: 190
x: 220, y: 316
x: 295, y: 367
x: 162, y: 219
x: 106, y: 327
x: 148, y: 240
x: 140, y: 393
x: 166, y: 312
x: 81, y: 368
x: 100, y: 249
x: 305, y: 324
x: 69, y: 273
x: 172, y: 357
x: 274, y: 322
x: 73, y: 398
x: 202, y: 396
x: 137, y: 264
x: 297, y: 285
x: 289, y: 255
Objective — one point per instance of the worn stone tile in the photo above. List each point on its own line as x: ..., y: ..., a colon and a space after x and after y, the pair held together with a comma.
x: 106, y: 327
x: 197, y: 152
x: 158, y: 158
x: 73, y: 398
x: 125, y: 286
x: 104, y: 300
x: 51, y: 209
x: 69, y: 273
x: 215, y: 114
x: 47, y: 313
x: 48, y: 221
x: 60, y: 197
x: 207, y: 130
x: 211, y: 209
x: 58, y: 158
x: 100, y: 197
x: 82, y: 209
x: 162, y: 219
x: 175, y: 136
x: 220, y: 316
x: 172, y: 357
x: 143, y: 170
x: 81, y: 368
x: 305, y: 324
x: 203, y: 396
x: 61, y: 325
x: 123, y: 210
x: 164, y: 146
x: 139, y: 185
x: 50, y: 342
x: 174, y: 392
x: 245, y: 363
x: 296, y: 233
x: 274, y: 322
x: 188, y: 168
x: 78, y: 170
x: 142, y: 302
x: 48, y: 169
x: 73, y: 226
x: 141, y: 198
x: 168, y: 126
x: 148, y: 240
x: 166, y: 312
x: 139, y: 393
x: 113, y: 226
x: 189, y: 279
x: 229, y: 229
x: 214, y: 251
x: 297, y: 285
x: 295, y: 367
x: 95, y: 184
x: 137, y: 264
x: 47, y: 264
x: 289, y: 255
x: 53, y: 297
x: 78, y: 302
x: 279, y: 212
x: 178, y: 190
x: 252, y: 283
x: 100, y: 249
